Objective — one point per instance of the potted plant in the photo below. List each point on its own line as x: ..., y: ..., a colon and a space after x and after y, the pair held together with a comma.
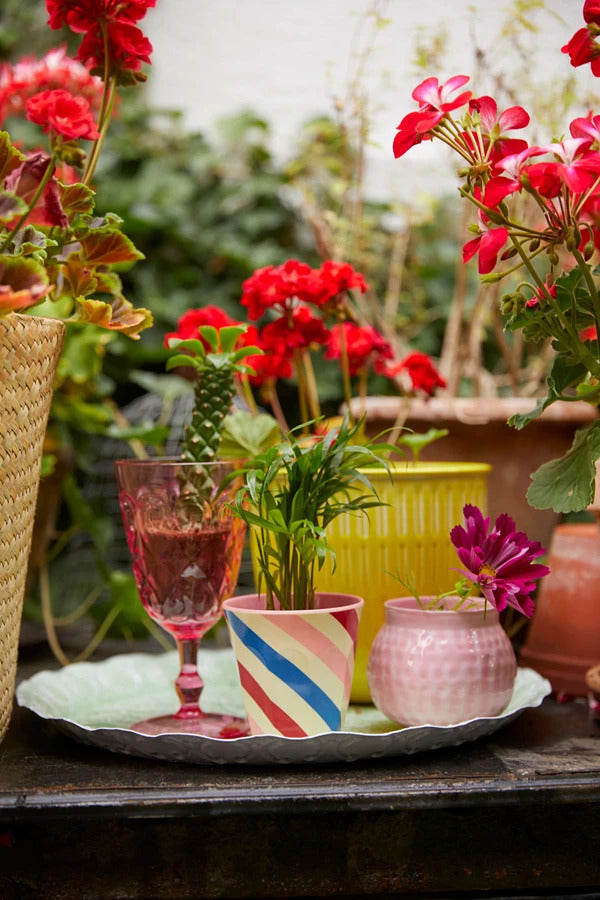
x: 446, y: 659
x: 558, y: 298
x: 58, y: 261
x: 294, y: 644
x: 420, y: 290
x: 304, y: 314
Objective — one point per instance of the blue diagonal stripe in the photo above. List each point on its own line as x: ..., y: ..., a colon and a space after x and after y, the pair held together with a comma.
x: 294, y: 677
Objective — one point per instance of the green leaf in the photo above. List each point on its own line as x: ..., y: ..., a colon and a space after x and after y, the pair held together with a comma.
x: 245, y: 435
x: 76, y: 198
x: 108, y: 246
x: 10, y: 206
x: 520, y: 420
x: 417, y: 442
x: 567, y: 484
x: 148, y: 433
x: 10, y: 157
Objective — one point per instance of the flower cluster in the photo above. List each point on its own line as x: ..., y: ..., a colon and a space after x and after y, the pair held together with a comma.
x: 56, y: 70
x: 300, y: 309
x: 52, y: 247
x: 499, y: 560
x: 112, y: 44
x: 538, y: 209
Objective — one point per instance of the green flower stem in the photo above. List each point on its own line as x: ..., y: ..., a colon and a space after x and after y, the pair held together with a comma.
x: 345, y: 364
x: 106, y: 107
x: 591, y: 285
x: 247, y: 394
x: 312, y: 391
x: 302, y: 388
x: 577, y: 347
x: 110, y: 93
x: 44, y: 181
x: 273, y: 401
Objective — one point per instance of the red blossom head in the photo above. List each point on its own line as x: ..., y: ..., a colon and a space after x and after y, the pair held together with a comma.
x: 364, y: 345
x: 83, y: 15
x: 434, y: 103
x: 128, y: 47
x: 282, y: 287
x: 274, y: 363
x: 295, y: 330
x: 55, y: 70
x: 337, y: 278
x: 420, y: 371
x: 60, y: 113
x: 189, y: 324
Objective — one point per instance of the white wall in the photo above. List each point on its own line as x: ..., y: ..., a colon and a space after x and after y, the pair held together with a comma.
x: 287, y: 60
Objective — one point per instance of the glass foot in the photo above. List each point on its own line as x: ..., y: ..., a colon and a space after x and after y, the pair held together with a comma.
x: 207, y: 725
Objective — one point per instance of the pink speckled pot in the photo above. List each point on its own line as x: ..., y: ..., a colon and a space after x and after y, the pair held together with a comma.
x: 440, y: 667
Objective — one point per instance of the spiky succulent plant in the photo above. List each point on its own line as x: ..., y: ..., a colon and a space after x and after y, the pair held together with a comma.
x: 214, y: 386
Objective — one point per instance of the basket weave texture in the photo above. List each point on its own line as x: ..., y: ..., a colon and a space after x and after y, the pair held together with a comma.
x: 30, y: 347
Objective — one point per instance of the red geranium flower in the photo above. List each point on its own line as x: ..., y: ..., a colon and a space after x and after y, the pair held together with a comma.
x: 273, y: 364
x: 434, y: 102
x: 189, y: 324
x: 128, y: 48
x: 365, y: 346
x: 582, y: 48
x: 55, y: 70
x: 61, y: 113
x: 420, y: 369
x: 83, y: 15
x: 337, y: 277
x: 298, y: 329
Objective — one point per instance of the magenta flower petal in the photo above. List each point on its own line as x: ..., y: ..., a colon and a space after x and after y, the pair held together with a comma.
x: 499, y: 561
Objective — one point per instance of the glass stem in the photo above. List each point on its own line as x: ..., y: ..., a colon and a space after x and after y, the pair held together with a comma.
x: 188, y: 683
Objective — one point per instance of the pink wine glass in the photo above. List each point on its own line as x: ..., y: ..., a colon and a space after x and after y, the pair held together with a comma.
x: 186, y: 548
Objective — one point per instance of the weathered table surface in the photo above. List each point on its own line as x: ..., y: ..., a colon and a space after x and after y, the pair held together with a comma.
x: 514, y: 814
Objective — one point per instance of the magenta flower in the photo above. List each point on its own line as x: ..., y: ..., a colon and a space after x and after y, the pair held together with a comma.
x: 499, y: 561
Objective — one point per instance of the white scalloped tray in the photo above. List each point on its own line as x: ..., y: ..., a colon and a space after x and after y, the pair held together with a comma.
x: 96, y: 703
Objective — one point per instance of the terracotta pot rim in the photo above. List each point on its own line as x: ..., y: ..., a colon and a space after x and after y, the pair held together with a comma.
x: 469, y: 410
x: 348, y: 601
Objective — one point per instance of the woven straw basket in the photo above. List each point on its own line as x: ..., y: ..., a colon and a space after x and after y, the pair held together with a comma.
x: 30, y: 348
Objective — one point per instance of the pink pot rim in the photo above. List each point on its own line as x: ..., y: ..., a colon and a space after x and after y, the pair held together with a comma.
x: 339, y: 602
x: 405, y: 608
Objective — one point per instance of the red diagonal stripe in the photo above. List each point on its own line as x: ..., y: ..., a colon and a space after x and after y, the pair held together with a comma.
x: 278, y: 718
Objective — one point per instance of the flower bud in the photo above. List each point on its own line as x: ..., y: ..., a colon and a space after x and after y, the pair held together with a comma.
x: 588, y: 251
x: 553, y: 256
x: 533, y: 245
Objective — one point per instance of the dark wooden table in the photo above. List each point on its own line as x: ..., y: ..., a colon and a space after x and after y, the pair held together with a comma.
x: 513, y: 815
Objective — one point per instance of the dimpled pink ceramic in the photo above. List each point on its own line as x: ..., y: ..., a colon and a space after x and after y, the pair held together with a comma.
x: 440, y: 667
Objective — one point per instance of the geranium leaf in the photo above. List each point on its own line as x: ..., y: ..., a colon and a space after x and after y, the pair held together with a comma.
x: 245, y: 435
x: 10, y: 206
x: 107, y: 247
x: 10, y: 157
x: 75, y: 199
x: 118, y: 315
x: 80, y: 278
x: 567, y: 484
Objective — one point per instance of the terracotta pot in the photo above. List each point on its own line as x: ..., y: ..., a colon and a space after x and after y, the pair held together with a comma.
x: 30, y: 347
x: 479, y: 431
x: 563, y: 638
x: 442, y: 666
x: 295, y: 666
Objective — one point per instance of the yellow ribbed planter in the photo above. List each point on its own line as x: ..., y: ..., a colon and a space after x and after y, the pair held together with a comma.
x: 409, y: 536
